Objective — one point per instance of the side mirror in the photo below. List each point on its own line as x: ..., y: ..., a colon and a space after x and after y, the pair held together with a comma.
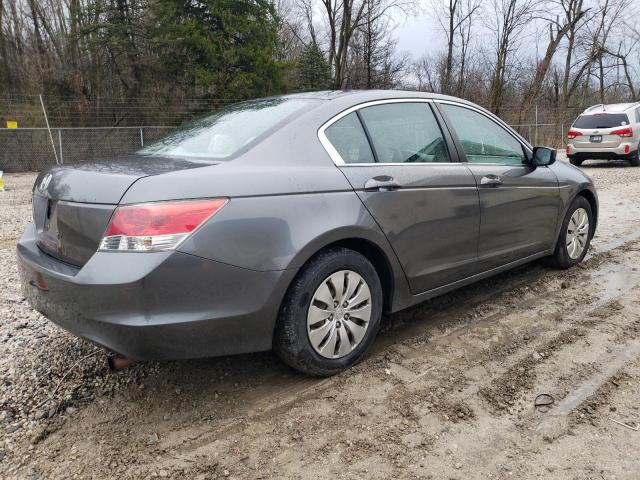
x: 543, y: 156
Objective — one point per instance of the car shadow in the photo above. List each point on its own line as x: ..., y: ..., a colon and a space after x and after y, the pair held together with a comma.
x: 605, y: 164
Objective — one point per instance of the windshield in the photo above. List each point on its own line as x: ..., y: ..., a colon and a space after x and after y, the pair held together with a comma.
x: 601, y: 120
x: 227, y: 131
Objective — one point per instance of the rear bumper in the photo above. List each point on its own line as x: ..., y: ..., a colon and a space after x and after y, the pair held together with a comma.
x: 165, y: 305
x: 602, y: 153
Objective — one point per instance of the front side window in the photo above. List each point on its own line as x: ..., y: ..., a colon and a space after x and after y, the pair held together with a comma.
x: 348, y: 138
x: 482, y: 139
x: 227, y: 131
x: 405, y: 133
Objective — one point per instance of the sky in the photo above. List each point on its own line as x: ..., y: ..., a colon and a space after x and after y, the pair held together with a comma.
x: 421, y: 34
x: 418, y: 35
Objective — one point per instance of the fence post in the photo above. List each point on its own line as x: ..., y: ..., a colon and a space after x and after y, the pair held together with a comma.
x: 141, y: 138
x: 60, y: 144
x: 536, y: 142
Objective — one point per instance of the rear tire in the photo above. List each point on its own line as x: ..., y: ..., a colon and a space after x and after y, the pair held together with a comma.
x: 575, y: 237
x: 331, y: 313
x: 575, y: 161
x: 634, y: 160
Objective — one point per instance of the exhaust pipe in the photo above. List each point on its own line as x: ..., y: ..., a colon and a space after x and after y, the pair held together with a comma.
x: 119, y: 362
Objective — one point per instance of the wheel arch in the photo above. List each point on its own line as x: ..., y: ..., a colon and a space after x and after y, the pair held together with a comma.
x: 372, y: 246
x: 378, y: 259
x: 593, y: 202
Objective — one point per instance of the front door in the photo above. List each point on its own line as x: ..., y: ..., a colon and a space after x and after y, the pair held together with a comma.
x: 519, y: 204
x: 398, y: 160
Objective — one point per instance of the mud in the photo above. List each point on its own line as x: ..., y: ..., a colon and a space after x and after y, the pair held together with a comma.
x: 447, y: 392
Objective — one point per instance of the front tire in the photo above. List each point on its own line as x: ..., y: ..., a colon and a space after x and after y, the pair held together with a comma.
x: 575, y: 235
x: 331, y: 313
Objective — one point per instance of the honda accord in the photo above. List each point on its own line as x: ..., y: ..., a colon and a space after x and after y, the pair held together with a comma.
x: 293, y: 223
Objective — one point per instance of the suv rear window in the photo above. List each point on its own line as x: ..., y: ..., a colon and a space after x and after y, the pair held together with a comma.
x: 229, y: 130
x: 601, y: 120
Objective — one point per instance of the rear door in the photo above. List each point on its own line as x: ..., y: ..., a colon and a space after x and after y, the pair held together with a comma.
x: 519, y: 204
x: 397, y: 158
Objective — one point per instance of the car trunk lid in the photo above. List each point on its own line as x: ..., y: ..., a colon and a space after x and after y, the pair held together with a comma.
x: 72, y: 204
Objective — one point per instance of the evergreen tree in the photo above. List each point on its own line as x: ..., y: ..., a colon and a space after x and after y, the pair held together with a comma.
x: 224, y: 48
x: 313, y: 69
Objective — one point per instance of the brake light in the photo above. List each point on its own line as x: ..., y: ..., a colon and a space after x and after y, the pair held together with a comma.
x: 571, y: 134
x: 152, y: 227
x: 623, y: 132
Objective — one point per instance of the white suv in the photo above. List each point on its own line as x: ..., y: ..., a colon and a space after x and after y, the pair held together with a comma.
x: 606, y: 132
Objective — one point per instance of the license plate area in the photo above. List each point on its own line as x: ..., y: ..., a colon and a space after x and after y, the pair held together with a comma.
x: 596, y: 138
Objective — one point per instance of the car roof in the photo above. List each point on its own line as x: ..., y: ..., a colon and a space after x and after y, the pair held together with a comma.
x: 358, y: 96
x: 611, y: 108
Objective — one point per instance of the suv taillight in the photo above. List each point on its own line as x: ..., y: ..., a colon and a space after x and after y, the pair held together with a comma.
x: 152, y: 227
x: 623, y: 132
x: 571, y: 134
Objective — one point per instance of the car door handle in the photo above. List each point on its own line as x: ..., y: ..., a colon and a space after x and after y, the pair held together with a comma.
x: 491, y: 181
x: 383, y: 183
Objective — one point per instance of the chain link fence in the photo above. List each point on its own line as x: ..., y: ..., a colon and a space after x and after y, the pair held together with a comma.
x: 31, y: 149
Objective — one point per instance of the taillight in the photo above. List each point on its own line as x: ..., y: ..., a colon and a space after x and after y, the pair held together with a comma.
x: 571, y: 134
x: 623, y: 132
x: 152, y: 227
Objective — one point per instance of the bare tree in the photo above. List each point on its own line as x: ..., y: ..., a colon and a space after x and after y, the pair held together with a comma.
x: 511, y: 16
x: 374, y: 62
x: 455, y: 20
x: 557, y: 32
x: 343, y: 18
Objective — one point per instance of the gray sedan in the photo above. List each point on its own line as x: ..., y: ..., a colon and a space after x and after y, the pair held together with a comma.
x: 293, y: 223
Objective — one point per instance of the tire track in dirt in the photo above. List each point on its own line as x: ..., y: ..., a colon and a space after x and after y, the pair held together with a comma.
x: 442, y: 398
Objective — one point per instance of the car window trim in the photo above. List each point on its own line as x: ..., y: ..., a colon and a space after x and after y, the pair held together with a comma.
x: 337, y: 158
x: 367, y: 134
x: 527, y: 148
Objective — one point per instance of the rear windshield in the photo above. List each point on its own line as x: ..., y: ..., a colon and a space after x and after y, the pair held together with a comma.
x: 226, y: 132
x: 601, y: 120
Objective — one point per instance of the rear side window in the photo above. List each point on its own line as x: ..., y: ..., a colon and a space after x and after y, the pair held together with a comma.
x: 601, y: 120
x: 482, y: 139
x: 405, y: 133
x: 227, y: 131
x: 348, y: 138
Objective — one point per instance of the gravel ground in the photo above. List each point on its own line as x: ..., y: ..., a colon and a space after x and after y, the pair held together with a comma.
x: 448, y: 391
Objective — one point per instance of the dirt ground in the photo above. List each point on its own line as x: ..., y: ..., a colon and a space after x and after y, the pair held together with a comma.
x: 448, y: 391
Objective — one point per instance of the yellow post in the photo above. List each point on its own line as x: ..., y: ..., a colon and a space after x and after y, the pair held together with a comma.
x: 1, y: 182
x: 12, y: 124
